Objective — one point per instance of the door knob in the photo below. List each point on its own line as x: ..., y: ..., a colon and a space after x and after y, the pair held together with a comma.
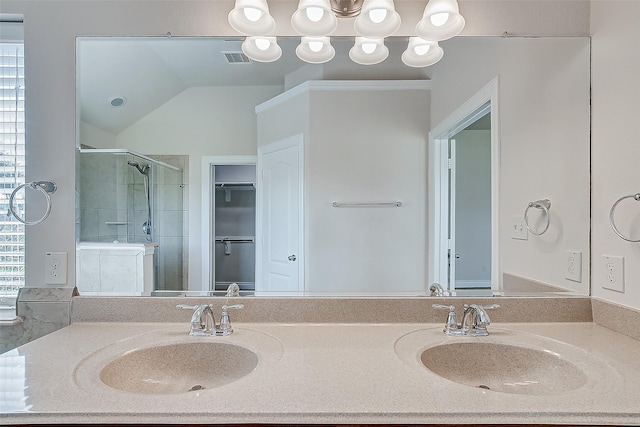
x: 292, y: 258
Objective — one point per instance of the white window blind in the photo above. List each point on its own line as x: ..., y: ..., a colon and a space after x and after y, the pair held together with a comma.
x: 12, y: 156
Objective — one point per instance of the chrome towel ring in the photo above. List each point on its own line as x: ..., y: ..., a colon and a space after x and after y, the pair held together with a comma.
x: 545, y: 205
x: 45, y: 187
x: 635, y: 197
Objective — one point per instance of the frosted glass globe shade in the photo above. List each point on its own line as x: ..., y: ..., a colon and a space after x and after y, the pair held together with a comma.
x: 252, y: 14
x: 377, y: 15
x: 439, y: 19
x: 314, y: 14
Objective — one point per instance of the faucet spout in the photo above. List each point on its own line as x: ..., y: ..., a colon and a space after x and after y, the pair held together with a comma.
x: 436, y: 290
x: 203, y: 319
x: 203, y: 322
x: 476, y: 319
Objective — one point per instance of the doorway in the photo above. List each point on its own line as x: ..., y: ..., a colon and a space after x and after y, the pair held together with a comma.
x: 470, y: 206
x: 228, y: 222
x: 233, y: 226
x: 464, y: 169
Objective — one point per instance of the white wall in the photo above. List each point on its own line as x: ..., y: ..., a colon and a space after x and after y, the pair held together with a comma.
x: 51, y: 27
x: 367, y: 145
x: 544, y: 141
x: 95, y: 137
x: 615, y: 144
x: 363, y: 142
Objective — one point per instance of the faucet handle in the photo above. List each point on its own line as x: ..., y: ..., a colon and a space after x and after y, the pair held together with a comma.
x: 483, y: 316
x: 444, y: 307
x: 187, y: 307
x: 225, y: 324
x: 452, y: 321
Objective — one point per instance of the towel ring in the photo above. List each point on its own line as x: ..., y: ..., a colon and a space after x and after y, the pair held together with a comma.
x: 635, y: 197
x: 545, y: 205
x: 45, y: 187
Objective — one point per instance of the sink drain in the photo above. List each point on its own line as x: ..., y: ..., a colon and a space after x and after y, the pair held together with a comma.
x: 486, y: 387
x: 196, y: 388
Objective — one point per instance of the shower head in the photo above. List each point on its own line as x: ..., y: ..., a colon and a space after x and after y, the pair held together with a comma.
x: 143, y: 170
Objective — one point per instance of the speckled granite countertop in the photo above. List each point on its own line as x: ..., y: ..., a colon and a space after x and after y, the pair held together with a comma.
x: 321, y: 373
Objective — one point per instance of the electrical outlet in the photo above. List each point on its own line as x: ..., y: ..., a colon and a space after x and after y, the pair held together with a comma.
x: 574, y: 266
x: 518, y: 228
x: 614, y: 273
x: 55, y: 268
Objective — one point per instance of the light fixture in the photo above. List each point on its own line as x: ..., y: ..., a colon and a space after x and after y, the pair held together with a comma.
x: 422, y: 53
x: 117, y: 101
x: 374, y: 20
x: 314, y: 18
x: 315, y: 50
x: 262, y: 49
x: 251, y: 17
x: 441, y: 20
x: 367, y: 51
x: 378, y: 18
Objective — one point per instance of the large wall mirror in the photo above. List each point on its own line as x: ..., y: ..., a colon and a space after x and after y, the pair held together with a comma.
x: 473, y: 172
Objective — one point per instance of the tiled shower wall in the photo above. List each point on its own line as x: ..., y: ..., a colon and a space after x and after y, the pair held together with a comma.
x: 112, y: 191
x: 103, y: 197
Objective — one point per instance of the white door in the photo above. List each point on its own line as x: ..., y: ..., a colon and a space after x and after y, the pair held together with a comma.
x: 279, y: 189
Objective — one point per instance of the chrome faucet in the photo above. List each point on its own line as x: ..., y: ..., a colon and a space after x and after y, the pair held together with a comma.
x: 436, y: 290
x: 474, y: 320
x: 203, y: 321
x: 233, y: 290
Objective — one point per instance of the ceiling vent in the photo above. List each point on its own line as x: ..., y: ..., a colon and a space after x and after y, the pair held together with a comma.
x: 237, y: 58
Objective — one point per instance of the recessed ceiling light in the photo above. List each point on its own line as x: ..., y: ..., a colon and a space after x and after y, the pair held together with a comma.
x: 117, y: 101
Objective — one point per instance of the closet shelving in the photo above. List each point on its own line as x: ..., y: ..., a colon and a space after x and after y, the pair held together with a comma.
x: 234, y: 226
x: 230, y: 187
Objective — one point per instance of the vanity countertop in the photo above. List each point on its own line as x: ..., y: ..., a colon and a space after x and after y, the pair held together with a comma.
x: 318, y: 373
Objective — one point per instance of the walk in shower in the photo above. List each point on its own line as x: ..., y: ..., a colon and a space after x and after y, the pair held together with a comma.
x: 130, y: 224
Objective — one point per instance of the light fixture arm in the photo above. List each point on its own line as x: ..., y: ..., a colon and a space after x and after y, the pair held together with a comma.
x: 346, y: 8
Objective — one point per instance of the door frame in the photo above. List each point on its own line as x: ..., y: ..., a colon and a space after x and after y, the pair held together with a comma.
x: 207, y: 217
x: 288, y: 142
x: 486, y: 99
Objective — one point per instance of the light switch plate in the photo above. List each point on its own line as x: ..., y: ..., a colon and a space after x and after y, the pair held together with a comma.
x: 518, y: 228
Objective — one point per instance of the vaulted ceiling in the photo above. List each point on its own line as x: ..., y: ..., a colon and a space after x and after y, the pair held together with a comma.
x: 147, y: 72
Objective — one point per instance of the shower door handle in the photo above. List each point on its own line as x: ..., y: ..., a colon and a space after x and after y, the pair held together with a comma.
x: 291, y: 258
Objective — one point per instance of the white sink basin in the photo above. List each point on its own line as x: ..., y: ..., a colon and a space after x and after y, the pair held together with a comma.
x: 166, y: 361
x: 506, y: 361
x: 179, y: 368
x: 504, y: 368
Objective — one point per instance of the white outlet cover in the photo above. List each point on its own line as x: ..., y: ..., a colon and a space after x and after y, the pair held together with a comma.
x: 574, y: 266
x: 55, y: 268
x: 613, y: 268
